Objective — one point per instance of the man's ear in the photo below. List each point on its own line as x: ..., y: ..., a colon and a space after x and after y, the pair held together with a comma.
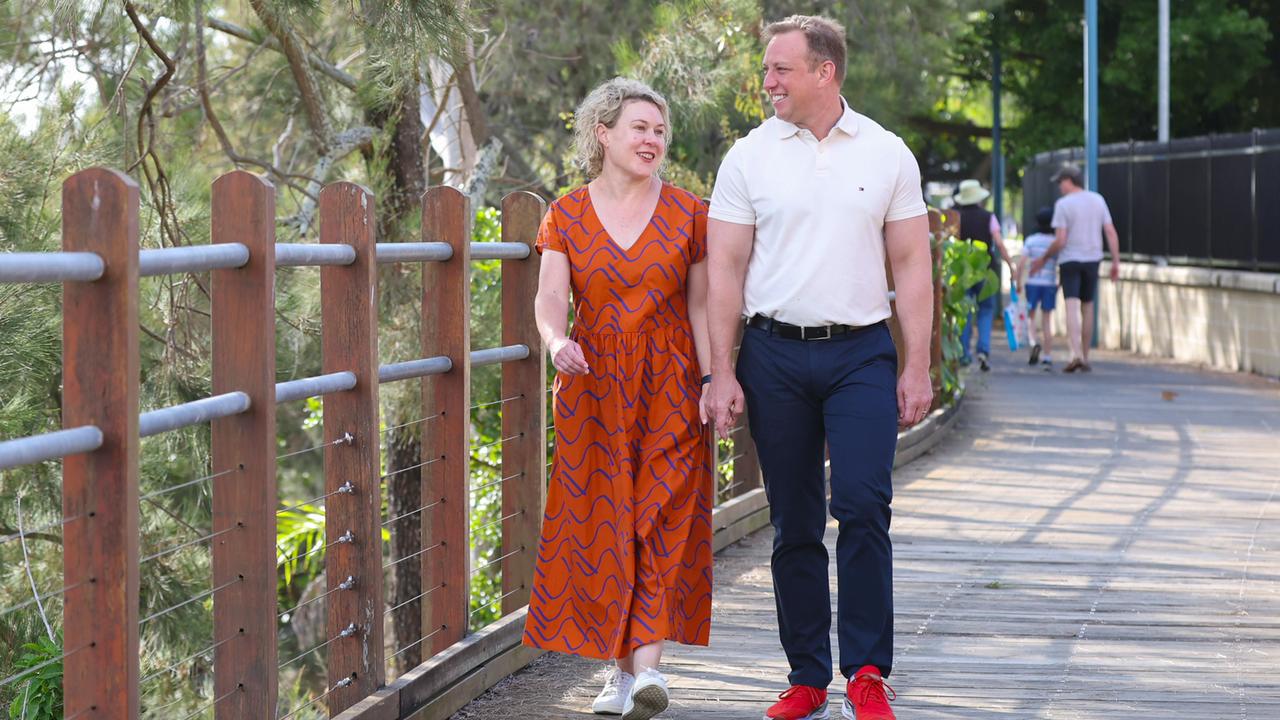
x: 827, y: 71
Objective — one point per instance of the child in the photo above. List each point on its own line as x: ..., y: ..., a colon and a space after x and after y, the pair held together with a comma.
x: 1041, y: 289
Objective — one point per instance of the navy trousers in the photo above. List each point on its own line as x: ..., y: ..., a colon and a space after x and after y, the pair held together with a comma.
x: 842, y: 392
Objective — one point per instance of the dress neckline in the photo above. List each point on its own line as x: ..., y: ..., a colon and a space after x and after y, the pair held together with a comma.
x: 626, y: 251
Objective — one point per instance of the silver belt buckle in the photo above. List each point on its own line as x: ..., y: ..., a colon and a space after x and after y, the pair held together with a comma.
x: 819, y: 337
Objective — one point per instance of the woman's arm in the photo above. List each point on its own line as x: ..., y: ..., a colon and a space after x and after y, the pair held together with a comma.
x: 696, y: 289
x: 551, y: 312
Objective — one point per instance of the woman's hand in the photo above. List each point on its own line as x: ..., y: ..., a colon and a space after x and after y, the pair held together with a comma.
x: 567, y: 357
x: 704, y: 412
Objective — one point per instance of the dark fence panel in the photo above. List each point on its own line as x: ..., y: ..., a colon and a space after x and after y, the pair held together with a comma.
x: 1210, y: 200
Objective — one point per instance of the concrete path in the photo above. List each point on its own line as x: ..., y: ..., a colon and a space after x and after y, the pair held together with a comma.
x: 1096, y: 546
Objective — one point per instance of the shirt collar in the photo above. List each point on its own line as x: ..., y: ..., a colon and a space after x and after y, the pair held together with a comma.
x: 848, y: 123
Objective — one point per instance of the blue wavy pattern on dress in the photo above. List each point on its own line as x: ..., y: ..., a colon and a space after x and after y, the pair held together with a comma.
x: 625, y: 556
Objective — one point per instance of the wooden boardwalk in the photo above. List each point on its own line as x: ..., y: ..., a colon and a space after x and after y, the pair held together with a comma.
x: 1101, y: 546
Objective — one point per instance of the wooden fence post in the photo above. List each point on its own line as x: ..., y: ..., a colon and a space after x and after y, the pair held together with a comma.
x: 446, y: 314
x: 746, y: 466
x: 244, y: 448
x: 349, y: 342
x: 100, y: 488
x: 524, y: 457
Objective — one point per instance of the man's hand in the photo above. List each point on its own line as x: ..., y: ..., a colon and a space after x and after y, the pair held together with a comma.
x: 567, y: 357
x: 726, y: 402
x: 1115, y: 269
x: 915, y: 396
x: 1037, y: 265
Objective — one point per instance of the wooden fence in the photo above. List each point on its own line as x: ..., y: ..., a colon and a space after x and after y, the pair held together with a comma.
x: 100, y: 267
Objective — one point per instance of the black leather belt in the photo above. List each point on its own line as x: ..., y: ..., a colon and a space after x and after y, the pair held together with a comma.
x: 800, y: 332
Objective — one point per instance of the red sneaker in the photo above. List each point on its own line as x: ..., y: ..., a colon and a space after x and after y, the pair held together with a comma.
x: 800, y: 702
x: 865, y: 697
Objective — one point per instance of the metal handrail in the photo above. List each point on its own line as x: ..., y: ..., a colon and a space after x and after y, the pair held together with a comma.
x: 413, y: 252
x: 191, y: 258
x: 195, y: 412
x: 305, y: 254
x: 291, y: 390
x: 414, y: 369
x: 493, y: 356
x: 30, y: 267
x: 499, y: 251
x: 49, y: 446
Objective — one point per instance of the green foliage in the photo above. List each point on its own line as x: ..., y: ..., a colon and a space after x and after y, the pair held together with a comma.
x: 40, y: 696
x: 486, y: 424
x: 964, y: 265
x: 704, y: 57
x: 1218, y: 54
x: 299, y: 536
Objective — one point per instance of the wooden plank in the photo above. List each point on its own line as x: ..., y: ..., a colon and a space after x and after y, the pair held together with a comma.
x: 100, y: 489
x: 427, y: 681
x: 446, y: 314
x: 444, y: 705
x: 524, y: 457
x: 349, y: 342
x: 244, y: 447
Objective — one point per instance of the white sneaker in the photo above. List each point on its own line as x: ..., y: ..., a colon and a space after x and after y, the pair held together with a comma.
x: 616, y: 692
x: 648, y: 696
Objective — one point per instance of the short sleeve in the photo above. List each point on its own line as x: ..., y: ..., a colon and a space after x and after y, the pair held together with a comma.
x: 1106, y: 211
x: 730, y: 199
x: 1059, y: 215
x: 549, y: 237
x: 994, y: 225
x: 698, y: 243
x: 908, y: 198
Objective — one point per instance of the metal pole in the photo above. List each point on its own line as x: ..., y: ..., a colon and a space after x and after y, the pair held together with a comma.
x: 997, y: 149
x: 1091, y: 94
x: 1164, y: 72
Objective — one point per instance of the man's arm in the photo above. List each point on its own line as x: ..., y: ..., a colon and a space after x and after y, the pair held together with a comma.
x: 728, y: 252
x: 907, y: 244
x: 1059, y: 242
x: 1113, y: 243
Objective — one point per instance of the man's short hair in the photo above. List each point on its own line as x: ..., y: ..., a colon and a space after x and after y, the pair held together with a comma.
x: 1069, y: 172
x: 825, y: 38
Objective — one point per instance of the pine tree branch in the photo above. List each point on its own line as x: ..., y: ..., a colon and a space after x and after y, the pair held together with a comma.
x: 332, y: 71
x: 298, y: 65
x: 206, y: 102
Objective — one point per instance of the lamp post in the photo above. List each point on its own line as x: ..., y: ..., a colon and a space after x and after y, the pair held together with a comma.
x: 1163, y: 61
x: 1091, y: 94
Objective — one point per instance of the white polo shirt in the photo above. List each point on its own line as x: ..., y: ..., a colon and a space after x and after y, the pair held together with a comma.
x: 819, y: 210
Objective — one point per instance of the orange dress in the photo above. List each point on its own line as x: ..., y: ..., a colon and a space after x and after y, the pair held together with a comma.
x: 625, y: 554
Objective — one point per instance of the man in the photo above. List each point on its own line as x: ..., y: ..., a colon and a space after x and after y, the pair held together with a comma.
x: 1080, y: 219
x: 804, y: 211
x: 978, y: 224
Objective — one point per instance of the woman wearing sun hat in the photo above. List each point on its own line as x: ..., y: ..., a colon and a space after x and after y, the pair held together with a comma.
x: 978, y: 224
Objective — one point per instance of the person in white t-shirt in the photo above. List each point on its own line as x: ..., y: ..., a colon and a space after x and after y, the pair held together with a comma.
x: 806, y: 209
x: 1040, y: 289
x: 1080, y: 219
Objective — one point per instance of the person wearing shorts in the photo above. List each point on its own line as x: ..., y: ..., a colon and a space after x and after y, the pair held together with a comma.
x: 1041, y: 289
x: 1080, y: 219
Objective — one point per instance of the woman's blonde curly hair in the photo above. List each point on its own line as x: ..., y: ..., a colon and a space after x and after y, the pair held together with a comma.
x: 603, y: 106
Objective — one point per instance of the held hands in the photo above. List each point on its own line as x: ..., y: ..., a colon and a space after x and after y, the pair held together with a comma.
x: 567, y: 357
x: 724, y: 402
x: 915, y: 396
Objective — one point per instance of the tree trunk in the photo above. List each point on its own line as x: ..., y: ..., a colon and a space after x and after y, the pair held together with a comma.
x: 404, y: 495
x: 404, y: 162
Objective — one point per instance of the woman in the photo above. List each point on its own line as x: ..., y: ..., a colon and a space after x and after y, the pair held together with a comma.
x: 624, y: 562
